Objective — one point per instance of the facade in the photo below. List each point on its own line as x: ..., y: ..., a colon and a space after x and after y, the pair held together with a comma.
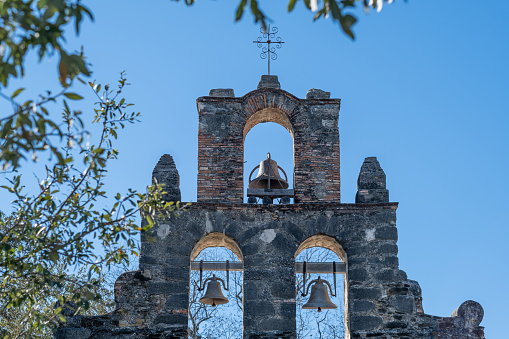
x: 380, y: 301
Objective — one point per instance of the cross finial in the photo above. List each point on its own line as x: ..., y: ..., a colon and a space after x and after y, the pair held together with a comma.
x: 269, y: 52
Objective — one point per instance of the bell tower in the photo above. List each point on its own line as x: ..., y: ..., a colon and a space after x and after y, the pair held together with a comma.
x: 225, y: 120
x: 267, y: 241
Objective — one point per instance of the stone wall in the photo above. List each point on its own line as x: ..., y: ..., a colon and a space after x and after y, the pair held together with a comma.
x: 380, y: 301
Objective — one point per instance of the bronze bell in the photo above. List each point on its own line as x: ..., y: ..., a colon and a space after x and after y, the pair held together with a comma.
x: 319, y: 297
x: 268, y: 176
x: 214, y: 296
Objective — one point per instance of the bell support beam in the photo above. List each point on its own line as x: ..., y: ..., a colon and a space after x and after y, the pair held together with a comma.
x: 260, y: 192
x: 311, y: 267
x: 320, y: 267
x: 217, y: 266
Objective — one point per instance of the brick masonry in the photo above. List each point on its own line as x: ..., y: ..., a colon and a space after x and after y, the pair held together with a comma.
x: 381, y: 302
x: 225, y: 121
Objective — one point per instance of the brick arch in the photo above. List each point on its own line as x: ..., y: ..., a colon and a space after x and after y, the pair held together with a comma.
x: 269, y: 105
x: 268, y: 114
x: 217, y: 239
x: 324, y: 241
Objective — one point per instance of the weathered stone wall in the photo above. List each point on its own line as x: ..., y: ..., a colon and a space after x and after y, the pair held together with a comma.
x: 380, y: 301
x: 225, y: 120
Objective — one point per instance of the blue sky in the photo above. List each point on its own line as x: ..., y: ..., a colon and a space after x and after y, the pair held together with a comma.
x: 423, y: 88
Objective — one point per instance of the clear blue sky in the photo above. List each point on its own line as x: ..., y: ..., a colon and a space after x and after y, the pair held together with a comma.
x: 423, y: 88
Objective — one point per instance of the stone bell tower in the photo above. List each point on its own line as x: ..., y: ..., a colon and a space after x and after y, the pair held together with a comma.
x: 225, y: 120
x: 380, y: 301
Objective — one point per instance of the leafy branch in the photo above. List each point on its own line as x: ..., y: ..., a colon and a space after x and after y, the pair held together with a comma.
x: 61, y: 225
x: 337, y: 9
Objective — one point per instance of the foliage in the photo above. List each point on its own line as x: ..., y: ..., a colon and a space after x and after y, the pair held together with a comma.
x: 61, y: 225
x: 31, y: 24
x: 13, y: 320
x: 337, y: 9
x: 35, y: 25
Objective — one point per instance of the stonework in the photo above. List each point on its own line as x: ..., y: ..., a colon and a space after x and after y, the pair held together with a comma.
x: 225, y: 121
x: 380, y: 301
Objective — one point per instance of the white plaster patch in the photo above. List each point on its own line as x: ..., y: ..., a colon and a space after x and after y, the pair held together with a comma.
x: 268, y: 236
x: 163, y: 231
x: 328, y: 123
x: 208, y: 224
x: 370, y: 234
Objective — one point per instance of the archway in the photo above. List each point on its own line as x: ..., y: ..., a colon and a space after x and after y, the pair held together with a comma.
x: 327, y: 323
x: 268, y: 130
x: 221, y: 321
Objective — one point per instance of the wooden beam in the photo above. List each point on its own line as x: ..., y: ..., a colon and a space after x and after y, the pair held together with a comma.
x: 260, y: 192
x: 319, y: 267
x: 311, y: 267
x: 217, y: 266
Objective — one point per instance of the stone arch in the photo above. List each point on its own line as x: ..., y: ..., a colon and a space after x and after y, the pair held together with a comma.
x: 201, y: 320
x: 276, y: 106
x: 268, y: 114
x: 330, y: 243
x: 217, y: 239
x: 324, y: 241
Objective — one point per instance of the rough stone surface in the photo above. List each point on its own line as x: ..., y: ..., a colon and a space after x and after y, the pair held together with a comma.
x: 463, y: 323
x: 380, y: 301
x: 165, y: 172
x: 269, y: 81
x: 371, y: 183
x: 314, y: 93
x: 222, y: 93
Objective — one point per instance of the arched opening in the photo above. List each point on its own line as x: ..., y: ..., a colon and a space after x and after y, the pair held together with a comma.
x: 223, y: 320
x: 268, y: 131
x: 327, y: 322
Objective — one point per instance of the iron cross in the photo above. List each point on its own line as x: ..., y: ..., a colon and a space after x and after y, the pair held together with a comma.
x: 267, y: 51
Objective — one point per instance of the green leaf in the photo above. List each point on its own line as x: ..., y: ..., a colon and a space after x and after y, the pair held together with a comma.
x: 291, y: 5
x: 17, y: 92
x: 347, y: 21
x: 319, y: 14
x: 73, y: 96
x: 78, y: 21
x: 53, y: 255
x: 240, y: 10
x: 336, y: 11
x: 348, y: 3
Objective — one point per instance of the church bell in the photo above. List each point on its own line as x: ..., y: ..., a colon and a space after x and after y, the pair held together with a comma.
x: 268, y: 176
x: 213, y: 296
x: 319, y: 298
